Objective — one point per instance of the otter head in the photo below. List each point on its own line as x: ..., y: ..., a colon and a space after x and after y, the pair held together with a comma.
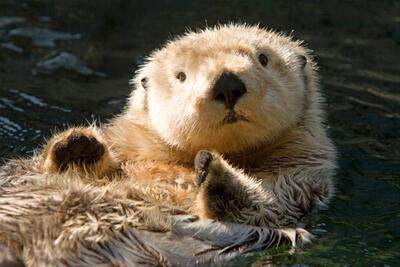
x: 228, y: 88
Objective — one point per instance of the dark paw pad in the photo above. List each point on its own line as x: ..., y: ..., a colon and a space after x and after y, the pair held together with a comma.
x: 201, y: 162
x: 78, y: 148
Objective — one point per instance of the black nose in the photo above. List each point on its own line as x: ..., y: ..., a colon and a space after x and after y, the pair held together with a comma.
x: 228, y: 89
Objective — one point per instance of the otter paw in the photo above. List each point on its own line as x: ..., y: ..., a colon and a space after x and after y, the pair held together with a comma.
x: 78, y: 148
x: 202, y: 161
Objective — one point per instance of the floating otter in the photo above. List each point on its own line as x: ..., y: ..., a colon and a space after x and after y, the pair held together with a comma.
x: 222, y: 140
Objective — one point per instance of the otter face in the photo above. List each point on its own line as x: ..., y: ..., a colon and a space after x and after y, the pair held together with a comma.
x: 227, y: 89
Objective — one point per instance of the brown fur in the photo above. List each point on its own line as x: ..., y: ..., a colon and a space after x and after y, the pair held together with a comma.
x: 268, y: 170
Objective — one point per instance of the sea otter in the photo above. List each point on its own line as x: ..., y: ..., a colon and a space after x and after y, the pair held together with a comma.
x: 225, y: 124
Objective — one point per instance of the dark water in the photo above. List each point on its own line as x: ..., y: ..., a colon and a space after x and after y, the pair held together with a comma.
x: 356, y: 44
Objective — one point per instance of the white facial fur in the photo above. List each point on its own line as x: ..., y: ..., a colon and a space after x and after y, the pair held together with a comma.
x: 185, y: 115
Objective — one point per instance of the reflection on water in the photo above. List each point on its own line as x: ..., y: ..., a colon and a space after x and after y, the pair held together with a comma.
x: 42, y: 37
x: 356, y: 45
x: 64, y: 61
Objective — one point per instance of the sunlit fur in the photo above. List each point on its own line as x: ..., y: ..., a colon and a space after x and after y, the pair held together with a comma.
x: 268, y: 170
x: 183, y: 113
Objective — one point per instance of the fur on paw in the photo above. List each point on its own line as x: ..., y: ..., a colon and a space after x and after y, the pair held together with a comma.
x: 217, y: 192
x: 202, y: 162
x: 79, y: 147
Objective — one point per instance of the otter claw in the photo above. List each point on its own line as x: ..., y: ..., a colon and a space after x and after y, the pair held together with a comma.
x: 202, y: 160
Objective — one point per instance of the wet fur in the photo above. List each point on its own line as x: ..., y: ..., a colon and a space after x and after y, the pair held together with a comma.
x: 264, y: 175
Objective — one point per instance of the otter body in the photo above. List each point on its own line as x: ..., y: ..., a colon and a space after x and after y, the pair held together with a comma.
x: 225, y: 124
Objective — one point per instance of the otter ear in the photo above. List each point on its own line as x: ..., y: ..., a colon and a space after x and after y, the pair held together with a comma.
x: 144, y: 82
x: 302, y: 61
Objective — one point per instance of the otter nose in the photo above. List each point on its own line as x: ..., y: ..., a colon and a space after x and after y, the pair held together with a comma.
x: 228, y: 89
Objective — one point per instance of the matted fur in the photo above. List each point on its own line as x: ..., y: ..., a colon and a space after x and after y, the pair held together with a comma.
x: 267, y: 171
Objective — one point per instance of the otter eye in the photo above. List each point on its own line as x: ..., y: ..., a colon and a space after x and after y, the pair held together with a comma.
x: 263, y: 60
x: 143, y: 82
x: 181, y: 76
